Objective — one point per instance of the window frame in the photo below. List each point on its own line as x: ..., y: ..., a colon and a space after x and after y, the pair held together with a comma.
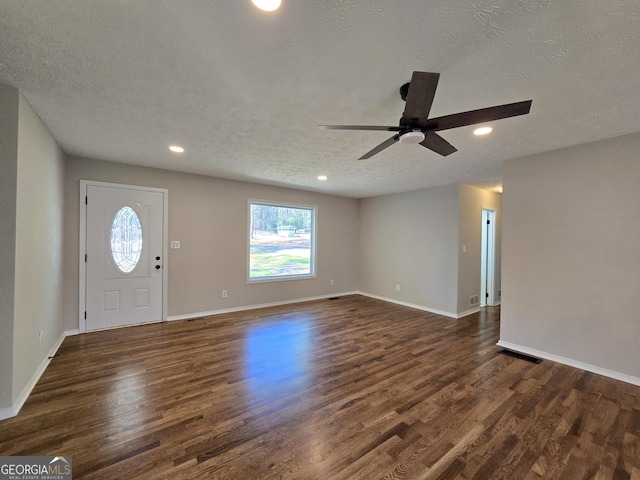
x: 313, y: 240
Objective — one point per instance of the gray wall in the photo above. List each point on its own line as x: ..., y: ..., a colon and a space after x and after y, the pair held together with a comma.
x: 411, y: 239
x: 415, y: 240
x: 571, y: 256
x: 32, y: 170
x: 209, y: 217
x: 39, y: 220
x: 9, y: 106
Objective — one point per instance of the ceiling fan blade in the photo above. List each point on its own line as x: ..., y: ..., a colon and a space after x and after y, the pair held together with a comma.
x: 435, y: 142
x: 361, y: 127
x: 422, y: 89
x: 481, y: 115
x: 387, y: 143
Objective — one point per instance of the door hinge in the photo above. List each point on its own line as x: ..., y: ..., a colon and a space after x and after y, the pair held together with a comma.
x: 486, y: 295
x: 85, y: 258
x: 85, y: 314
x: 488, y: 222
x: 86, y: 200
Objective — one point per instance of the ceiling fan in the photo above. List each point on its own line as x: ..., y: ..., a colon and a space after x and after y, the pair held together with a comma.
x: 417, y: 127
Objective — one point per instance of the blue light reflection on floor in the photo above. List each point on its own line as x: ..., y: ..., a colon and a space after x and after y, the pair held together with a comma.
x: 276, y: 357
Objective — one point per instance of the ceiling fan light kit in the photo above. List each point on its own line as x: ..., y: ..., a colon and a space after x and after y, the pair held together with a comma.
x: 416, y: 126
x: 415, y: 136
x: 482, y: 131
x: 267, y: 5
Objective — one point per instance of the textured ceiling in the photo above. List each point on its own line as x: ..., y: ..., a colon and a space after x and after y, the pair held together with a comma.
x: 244, y: 91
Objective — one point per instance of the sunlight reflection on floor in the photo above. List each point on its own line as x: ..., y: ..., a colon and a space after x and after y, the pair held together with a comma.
x: 276, y: 358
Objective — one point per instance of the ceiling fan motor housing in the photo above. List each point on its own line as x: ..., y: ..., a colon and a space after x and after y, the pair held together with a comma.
x: 404, y: 90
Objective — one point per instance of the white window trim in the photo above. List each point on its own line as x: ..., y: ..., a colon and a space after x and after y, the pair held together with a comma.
x: 283, y: 278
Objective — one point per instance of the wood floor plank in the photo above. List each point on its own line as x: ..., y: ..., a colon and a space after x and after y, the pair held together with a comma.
x: 353, y: 388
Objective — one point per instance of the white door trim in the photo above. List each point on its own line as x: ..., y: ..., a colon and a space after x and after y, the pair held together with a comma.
x: 82, y: 290
x: 488, y: 257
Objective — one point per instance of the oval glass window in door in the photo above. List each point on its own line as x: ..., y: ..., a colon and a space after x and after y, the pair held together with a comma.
x: 126, y: 239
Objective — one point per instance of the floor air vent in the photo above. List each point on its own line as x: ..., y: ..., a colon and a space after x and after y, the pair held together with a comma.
x: 521, y: 356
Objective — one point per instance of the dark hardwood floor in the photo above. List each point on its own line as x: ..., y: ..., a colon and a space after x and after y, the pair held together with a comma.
x: 352, y: 388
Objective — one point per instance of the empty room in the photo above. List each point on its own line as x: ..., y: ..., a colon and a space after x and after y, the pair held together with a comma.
x: 341, y: 239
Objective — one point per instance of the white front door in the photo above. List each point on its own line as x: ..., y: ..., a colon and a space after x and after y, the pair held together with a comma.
x: 124, y: 256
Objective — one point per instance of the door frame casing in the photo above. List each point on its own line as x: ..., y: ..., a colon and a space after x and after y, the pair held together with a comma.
x: 490, y: 251
x: 82, y: 266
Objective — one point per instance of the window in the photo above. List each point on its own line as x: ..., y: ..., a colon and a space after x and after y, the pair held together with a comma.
x: 126, y: 239
x: 281, y: 241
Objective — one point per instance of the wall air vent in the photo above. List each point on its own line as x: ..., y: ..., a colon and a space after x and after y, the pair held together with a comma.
x: 474, y: 300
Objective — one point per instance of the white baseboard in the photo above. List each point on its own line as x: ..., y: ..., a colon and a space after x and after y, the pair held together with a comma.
x: 26, y: 391
x: 422, y: 307
x: 468, y: 312
x: 570, y: 362
x: 411, y: 305
x: 208, y: 313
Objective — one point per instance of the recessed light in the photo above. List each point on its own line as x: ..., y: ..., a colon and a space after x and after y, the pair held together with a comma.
x: 322, y: 178
x: 267, y: 5
x: 176, y: 149
x: 482, y: 130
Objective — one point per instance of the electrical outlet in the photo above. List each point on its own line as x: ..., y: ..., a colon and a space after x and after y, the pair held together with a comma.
x: 332, y: 282
x: 397, y: 288
x: 224, y: 294
x: 175, y: 243
x: 40, y: 335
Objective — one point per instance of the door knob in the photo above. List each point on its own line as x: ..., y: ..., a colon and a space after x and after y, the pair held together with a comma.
x: 157, y: 267
x: 157, y: 258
